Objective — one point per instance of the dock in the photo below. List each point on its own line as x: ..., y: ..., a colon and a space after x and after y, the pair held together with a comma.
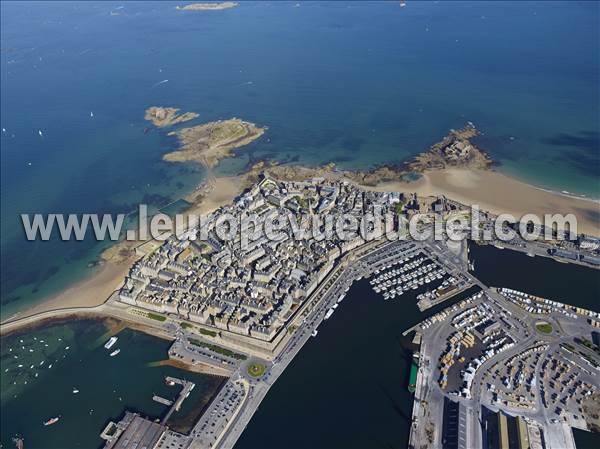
x: 161, y: 400
x: 425, y: 303
x: 187, y: 387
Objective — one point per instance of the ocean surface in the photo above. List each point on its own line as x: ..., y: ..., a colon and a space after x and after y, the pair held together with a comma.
x: 359, y: 84
x: 51, y: 362
x: 347, y: 388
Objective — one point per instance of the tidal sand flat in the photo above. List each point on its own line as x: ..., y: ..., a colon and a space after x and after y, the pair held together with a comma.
x: 454, y: 167
x: 221, y: 191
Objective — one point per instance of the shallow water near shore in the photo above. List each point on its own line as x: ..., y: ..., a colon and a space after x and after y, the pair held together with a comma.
x: 355, y: 83
x: 71, y: 356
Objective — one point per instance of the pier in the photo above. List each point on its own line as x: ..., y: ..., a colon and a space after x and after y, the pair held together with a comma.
x: 161, y: 400
x: 187, y: 387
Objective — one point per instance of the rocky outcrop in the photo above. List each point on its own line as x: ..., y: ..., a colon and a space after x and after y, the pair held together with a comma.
x: 455, y: 150
x: 162, y: 117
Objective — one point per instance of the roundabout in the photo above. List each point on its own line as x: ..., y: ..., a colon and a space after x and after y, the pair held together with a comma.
x: 544, y: 327
x: 256, y: 369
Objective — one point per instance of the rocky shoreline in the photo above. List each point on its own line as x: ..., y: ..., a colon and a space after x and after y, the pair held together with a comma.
x: 206, y: 143
x: 161, y: 117
x: 210, y: 142
x: 454, y: 151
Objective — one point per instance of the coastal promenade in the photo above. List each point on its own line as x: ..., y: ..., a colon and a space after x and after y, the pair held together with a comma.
x: 109, y: 309
x: 224, y: 420
x: 358, y: 263
x: 19, y: 323
x: 242, y: 393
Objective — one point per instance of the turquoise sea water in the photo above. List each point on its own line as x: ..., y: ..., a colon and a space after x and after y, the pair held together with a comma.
x: 356, y: 83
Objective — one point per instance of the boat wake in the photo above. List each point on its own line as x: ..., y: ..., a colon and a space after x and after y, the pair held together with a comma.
x: 159, y: 83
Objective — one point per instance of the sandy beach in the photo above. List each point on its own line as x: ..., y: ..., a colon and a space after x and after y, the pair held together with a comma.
x: 498, y: 193
x: 223, y: 191
x: 96, y: 288
x: 89, y: 292
x: 492, y: 191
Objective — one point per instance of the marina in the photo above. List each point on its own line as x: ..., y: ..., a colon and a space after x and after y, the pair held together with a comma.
x: 88, y: 386
x: 249, y: 317
x: 414, y: 272
x: 381, y: 400
x: 186, y: 389
x: 407, y: 274
x: 538, y: 276
x: 389, y: 391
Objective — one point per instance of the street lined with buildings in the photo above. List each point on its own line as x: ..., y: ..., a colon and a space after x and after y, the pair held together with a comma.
x: 244, y: 310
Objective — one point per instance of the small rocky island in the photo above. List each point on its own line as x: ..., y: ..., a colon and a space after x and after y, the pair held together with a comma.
x: 207, y: 143
x: 455, y: 150
x: 207, y: 6
x: 162, y: 117
x: 210, y: 142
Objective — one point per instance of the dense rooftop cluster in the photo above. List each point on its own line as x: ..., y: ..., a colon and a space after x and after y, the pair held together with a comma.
x: 251, y: 289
